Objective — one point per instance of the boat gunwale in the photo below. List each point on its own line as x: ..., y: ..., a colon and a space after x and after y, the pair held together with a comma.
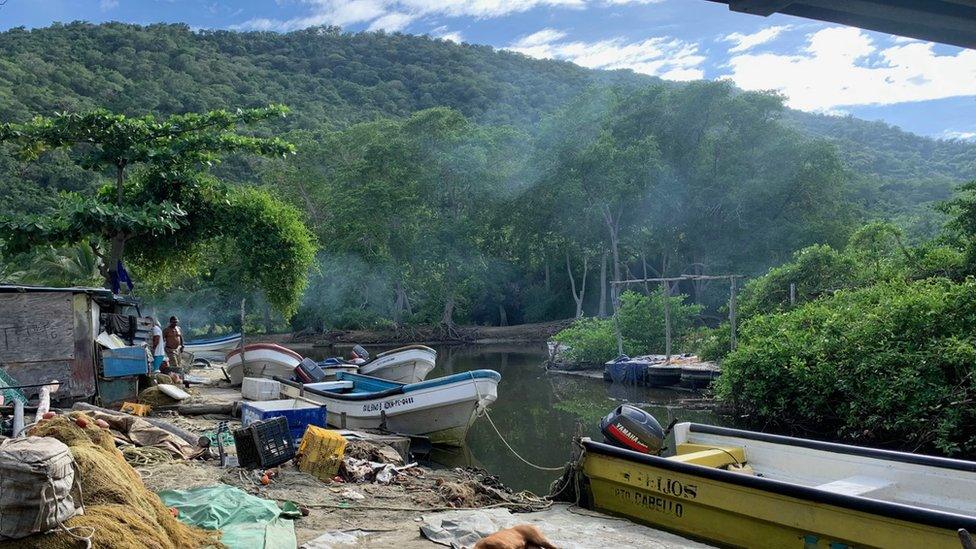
x: 875, y: 453
x: 888, y: 509
x: 400, y: 388
x: 264, y: 347
x: 220, y: 339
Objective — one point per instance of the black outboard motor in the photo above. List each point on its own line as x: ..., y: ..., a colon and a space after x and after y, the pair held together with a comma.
x: 360, y: 352
x: 634, y: 429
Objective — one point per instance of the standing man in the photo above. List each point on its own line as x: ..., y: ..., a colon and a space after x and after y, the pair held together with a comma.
x: 173, y: 338
x: 157, y: 347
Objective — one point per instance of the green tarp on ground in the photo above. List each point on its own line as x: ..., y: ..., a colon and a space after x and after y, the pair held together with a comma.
x: 246, y: 521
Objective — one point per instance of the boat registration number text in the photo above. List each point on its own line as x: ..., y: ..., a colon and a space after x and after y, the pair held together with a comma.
x: 650, y: 501
x: 387, y: 404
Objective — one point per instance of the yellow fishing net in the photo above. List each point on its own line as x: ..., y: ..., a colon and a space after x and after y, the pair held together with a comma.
x: 123, y: 513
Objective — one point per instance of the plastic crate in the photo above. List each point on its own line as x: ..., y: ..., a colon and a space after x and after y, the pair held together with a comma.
x: 247, y: 450
x: 273, y: 442
x: 320, y: 452
x: 300, y: 414
x: 259, y: 388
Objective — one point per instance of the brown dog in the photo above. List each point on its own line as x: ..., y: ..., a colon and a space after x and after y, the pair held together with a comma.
x: 522, y: 536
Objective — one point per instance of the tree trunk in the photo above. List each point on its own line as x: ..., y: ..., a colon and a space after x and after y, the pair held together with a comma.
x: 447, y: 318
x: 502, y: 315
x: 118, y: 240
x: 603, y: 286
x: 577, y: 296
x: 399, y: 305
x: 548, y: 284
x: 613, y: 227
x: 268, y: 326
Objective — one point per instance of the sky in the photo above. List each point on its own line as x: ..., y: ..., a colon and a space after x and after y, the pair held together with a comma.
x: 925, y: 88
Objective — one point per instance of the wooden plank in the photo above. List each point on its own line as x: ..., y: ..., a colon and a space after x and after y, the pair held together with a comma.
x: 36, y: 327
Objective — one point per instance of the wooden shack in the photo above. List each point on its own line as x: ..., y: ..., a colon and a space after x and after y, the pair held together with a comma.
x: 49, y: 334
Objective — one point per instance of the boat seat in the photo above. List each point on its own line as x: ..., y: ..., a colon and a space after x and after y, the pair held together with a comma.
x: 330, y: 385
x: 857, y: 485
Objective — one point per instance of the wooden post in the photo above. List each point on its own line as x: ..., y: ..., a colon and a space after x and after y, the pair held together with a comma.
x: 732, y: 311
x: 616, y: 324
x: 792, y: 294
x: 666, y: 292
x: 243, y: 361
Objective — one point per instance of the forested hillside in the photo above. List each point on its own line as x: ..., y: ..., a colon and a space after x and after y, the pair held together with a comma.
x: 448, y: 181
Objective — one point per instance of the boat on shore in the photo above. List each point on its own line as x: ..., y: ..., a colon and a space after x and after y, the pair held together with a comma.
x: 261, y: 360
x: 441, y: 409
x: 699, y: 375
x: 409, y: 364
x: 750, y: 489
x: 220, y: 344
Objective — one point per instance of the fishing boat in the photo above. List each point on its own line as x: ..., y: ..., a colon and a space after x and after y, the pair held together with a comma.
x: 261, y: 360
x: 749, y: 489
x: 409, y: 364
x: 220, y: 344
x: 441, y: 409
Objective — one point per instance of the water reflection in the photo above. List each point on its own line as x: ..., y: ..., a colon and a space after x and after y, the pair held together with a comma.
x: 538, y: 412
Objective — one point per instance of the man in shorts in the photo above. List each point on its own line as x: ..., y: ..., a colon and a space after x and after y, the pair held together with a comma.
x: 157, y: 346
x: 173, y: 340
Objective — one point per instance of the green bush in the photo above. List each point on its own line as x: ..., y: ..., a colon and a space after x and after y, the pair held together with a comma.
x: 641, y: 320
x: 708, y: 343
x: 590, y: 340
x: 891, y: 364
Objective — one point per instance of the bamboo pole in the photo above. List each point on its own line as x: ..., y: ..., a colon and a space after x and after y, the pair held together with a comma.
x: 243, y: 358
x: 666, y: 292
x: 732, y: 319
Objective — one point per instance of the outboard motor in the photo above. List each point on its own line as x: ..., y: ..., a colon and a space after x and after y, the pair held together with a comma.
x: 634, y: 429
x: 361, y: 352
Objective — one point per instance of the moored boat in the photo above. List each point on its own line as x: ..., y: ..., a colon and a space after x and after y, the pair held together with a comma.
x: 442, y: 409
x: 214, y: 344
x: 409, y: 364
x: 749, y: 489
x: 261, y: 360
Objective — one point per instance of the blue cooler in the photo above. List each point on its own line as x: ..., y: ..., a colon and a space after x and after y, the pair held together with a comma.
x: 300, y: 414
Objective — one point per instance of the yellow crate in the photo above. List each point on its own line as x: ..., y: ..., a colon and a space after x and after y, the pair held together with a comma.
x: 320, y: 452
x: 136, y: 409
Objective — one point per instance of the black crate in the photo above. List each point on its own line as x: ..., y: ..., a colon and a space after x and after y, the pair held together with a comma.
x: 247, y: 449
x: 273, y: 441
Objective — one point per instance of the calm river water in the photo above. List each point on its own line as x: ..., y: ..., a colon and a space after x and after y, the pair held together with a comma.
x: 537, y: 412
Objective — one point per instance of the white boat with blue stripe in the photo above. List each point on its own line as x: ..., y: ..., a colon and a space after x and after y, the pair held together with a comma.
x: 441, y: 409
x: 220, y: 344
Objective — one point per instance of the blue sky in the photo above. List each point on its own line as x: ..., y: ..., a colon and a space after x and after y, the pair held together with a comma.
x: 922, y: 87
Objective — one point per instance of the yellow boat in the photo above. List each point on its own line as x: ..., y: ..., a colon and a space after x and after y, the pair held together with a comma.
x: 748, y: 489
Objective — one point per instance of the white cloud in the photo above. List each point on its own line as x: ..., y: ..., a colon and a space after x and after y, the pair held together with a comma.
x: 745, y: 42
x: 443, y: 33
x: 349, y: 12
x: 106, y: 5
x: 665, y: 57
x: 963, y: 135
x: 842, y: 66
x: 391, y: 22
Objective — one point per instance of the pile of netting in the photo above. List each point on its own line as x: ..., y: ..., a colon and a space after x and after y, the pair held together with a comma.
x: 118, y: 507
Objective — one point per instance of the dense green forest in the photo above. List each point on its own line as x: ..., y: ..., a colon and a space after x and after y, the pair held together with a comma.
x: 451, y: 183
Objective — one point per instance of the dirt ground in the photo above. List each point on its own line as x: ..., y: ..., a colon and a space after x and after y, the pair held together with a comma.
x: 379, y: 515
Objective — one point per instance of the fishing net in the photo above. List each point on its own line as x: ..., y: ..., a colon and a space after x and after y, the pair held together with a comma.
x: 154, y: 397
x: 118, y: 506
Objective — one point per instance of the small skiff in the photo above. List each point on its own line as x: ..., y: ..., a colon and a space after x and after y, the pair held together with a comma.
x: 747, y: 489
x: 214, y: 345
x: 261, y: 360
x: 409, y: 364
x: 442, y: 409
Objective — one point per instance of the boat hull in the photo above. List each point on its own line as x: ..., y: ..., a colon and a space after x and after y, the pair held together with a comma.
x: 441, y: 412
x: 741, y: 510
x: 408, y: 365
x: 216, y: 345
x: 261, y: 360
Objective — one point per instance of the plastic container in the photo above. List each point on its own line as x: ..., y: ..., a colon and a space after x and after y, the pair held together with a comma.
x: 259, y: 388
x: 299, y: 414
x: 127, y: 361
x: 247, y: 450
x: 136, y: 409
x: 320, y: 452
x: 273, y: 441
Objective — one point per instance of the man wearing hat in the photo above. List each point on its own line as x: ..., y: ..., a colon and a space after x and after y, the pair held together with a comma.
x: 173, y: 337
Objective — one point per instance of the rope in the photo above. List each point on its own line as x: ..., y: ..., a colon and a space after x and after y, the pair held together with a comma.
x: 499, y: 433
x: 138, y: 456
x: 69, y: 531
x: 509, y: 446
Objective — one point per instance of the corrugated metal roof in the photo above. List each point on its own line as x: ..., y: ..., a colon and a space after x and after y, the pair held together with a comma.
x: 947, y: 21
